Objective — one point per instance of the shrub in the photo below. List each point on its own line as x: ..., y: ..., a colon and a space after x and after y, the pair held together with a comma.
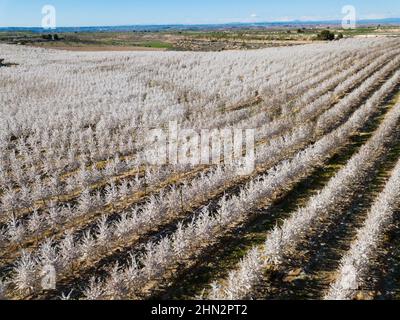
x: 47, y: 37
x: 326, y: 35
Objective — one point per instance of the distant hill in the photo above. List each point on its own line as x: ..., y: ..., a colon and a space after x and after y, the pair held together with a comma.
x: 183, y: 27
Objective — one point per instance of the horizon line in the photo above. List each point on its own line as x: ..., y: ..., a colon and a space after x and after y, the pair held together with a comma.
x: 298, y: 21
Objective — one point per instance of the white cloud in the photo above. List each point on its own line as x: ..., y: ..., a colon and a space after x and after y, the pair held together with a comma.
x: 376, y: 16
x: 319, y: 18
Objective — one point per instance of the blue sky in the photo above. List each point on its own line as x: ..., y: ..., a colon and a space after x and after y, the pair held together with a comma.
x: 128, y: 12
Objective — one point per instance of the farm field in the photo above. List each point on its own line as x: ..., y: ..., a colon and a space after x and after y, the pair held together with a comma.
x: 88, y: 212
x: 200, y: 40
